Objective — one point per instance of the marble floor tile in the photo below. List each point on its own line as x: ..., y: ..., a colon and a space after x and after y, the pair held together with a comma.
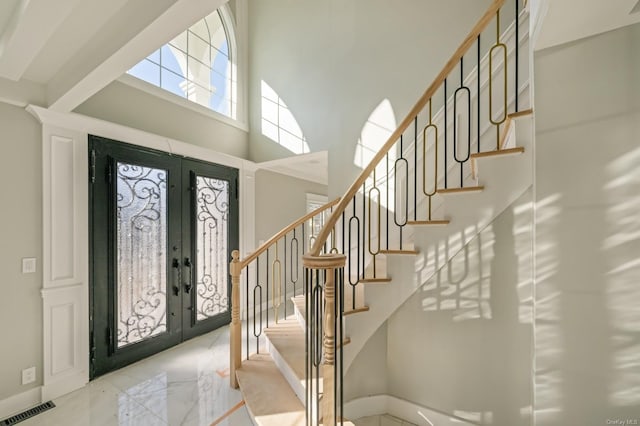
x: 185, y: 385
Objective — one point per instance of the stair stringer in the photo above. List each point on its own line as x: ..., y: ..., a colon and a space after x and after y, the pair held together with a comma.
x: 505, y: 180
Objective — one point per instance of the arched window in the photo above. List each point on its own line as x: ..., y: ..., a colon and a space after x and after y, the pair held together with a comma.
x: 197, y: 65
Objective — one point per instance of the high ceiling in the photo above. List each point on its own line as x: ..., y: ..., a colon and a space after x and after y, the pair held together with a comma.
x: 59, y: 53
x: 570, y: 20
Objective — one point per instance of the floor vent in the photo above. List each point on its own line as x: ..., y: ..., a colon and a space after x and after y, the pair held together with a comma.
x: 27, y: 414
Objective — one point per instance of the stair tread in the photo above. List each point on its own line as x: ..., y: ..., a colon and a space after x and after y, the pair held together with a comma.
x: 398, y: 251
x: 522, y: 113
x: 287, y: 338
x: 461, y: 190
x: 496, y: 153
x: 429, y: 222
x: 268, y: 397
x: 375, y: 280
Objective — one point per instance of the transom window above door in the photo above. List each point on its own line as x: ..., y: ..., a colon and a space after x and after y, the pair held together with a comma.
x: 198, y: 65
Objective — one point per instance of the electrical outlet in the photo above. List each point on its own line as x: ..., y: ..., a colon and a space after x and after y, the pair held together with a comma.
x: 28, y: 265
x: 28, y: 375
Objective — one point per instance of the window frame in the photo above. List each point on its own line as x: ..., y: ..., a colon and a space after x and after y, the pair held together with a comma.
x: 237, y: 79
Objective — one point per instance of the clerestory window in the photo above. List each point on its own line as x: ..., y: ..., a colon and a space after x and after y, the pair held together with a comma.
x: 197, y: 65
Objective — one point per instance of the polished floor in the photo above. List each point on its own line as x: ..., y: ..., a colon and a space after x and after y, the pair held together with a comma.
x: 185, y: 385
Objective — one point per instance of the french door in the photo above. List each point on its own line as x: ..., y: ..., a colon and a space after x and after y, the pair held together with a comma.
x: 162, y: 231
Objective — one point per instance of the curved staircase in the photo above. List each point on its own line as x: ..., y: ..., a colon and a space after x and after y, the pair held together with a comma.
x: 308, y: 312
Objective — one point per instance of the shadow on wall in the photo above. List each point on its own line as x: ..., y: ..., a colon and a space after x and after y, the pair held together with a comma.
x: 471, y: 327
x: 588, y: 315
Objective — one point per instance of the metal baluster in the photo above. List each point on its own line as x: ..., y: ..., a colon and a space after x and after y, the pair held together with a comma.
x: 502, y: 46
x: 295, y: 256
x: 429, y: 194
x: 455, y: 127
x: 445, y: 135
x: 284, y: 296
x: 388, y: 178
x: 478, y: 95
x: 258, y: 333
x: 364, y: 232
x: 517, y: 53
x: 402, y: 223
x: 415, y: 168
x: 354, y: 281
x: 307, y: 349
x: 276, y: 275
x: 246, y: 275
x: 374, y: 192
x: 340, y: 286
x: 267, y: 265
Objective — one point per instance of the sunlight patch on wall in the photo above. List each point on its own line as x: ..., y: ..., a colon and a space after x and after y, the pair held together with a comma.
x: 523, y: 234
x: 549, y: 380
x: 620, y: 249
x: 375, y: 132
x: 279, y: 124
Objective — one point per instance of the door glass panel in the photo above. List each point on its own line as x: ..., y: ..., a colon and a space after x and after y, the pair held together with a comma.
x: 141, y: 252
x: 212, y: 224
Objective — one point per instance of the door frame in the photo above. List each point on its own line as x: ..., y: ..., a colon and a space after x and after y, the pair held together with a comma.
x: 65, y: 292
x: 181, y: 244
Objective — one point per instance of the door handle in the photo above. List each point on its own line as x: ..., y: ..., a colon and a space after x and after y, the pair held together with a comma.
x: 176, y: 265
x: 189, y: 284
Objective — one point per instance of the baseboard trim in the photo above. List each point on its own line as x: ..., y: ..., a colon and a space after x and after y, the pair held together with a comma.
x: 20, y: 402
x: 376, y: 405
x: 64, y: 386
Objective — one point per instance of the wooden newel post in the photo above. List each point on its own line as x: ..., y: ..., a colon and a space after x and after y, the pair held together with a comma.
x: 235, y: 343
x: 331, y: 263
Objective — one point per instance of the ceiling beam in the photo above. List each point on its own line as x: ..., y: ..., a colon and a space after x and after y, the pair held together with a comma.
x: 106, y: 57
x: 21, y: 93
x: 30, y: 27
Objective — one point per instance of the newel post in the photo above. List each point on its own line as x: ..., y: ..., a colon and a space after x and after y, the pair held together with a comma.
x: 235, y: 343
x: 332, y: 264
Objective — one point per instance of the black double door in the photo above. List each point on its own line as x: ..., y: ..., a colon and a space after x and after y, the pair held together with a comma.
x: 162, y: 228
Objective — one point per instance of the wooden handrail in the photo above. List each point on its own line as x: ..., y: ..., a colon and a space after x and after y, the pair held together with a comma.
x: 422, y: 102
x: 271, y: 241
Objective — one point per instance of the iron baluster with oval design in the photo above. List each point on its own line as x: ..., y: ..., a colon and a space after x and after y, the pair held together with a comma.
x: 456, y: 132
x: 501, y: 46
x: 374, y: 198
x: 354, y: 279
x: 425, y: 191
x: 294, y: 264
x: 402, y: 191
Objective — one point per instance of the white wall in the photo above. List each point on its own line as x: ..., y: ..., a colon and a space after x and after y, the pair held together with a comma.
x: 129, y: 106
x: 21, y: 231
x: 462, y: 344
x: 368, y: 373
x: 334, y: 61
x: 280, y: 200
x: 587, y: 341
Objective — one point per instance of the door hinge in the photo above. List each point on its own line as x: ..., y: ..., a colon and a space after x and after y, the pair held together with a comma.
x: 109, y: 173
x: 110, y: 336
x: 92, y: 166
x: 92, y: 350
x: 92, y: 354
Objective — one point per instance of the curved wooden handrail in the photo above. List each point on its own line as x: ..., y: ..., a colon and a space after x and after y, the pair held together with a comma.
x: 467, y: 43
x: 271, y: 241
